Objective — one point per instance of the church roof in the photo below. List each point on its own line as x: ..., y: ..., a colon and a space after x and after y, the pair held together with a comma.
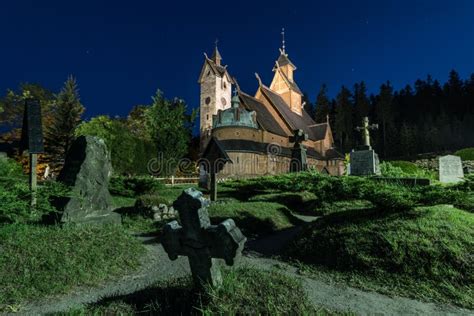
x: 216, y: 55
x: 305, y: 122
x: 283, y: 60
x: 218, y: 70
x: 293, y: 85
x: 264, y: 117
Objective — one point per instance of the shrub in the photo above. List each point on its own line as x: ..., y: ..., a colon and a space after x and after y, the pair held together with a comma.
x: 404, y: 169
x: 10, y: 169
x: 133, y: 186
x: 16, y: 200
x: 466, y: 153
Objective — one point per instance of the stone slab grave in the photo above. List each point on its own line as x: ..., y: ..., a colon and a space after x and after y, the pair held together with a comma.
x: 364, y: 163
x: 86, y: 171
x: 450, y: 169
x: 204, y: 244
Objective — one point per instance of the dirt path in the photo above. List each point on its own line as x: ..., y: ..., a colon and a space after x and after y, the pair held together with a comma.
x: 156, y: 267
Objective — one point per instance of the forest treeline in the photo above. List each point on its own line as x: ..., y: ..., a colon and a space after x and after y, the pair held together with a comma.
x: 426, y: 117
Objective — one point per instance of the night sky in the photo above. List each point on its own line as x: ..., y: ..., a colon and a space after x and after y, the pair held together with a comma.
x: 122, y: 51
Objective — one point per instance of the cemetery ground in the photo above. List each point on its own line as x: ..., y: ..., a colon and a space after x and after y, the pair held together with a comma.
x: 345, y: 236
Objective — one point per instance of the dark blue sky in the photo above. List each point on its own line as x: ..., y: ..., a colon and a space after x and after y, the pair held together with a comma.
x: 122, y: 51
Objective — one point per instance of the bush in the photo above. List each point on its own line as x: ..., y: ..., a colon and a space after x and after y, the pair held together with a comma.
x: 133, y: 186
x: 16, y: 199
x: 10, y: 169
x: 404, y: 169
x: 466, y: 153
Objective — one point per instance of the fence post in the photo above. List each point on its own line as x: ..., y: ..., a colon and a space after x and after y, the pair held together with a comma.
x: 172, y: 180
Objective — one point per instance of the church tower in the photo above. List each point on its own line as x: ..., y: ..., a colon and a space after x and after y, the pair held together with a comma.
x: 216, y: 92
x: 283, y: 82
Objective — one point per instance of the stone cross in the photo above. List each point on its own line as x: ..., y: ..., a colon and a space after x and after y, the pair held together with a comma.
x: 365, y: 131
x: 298, y: 152
x: 200, y: 241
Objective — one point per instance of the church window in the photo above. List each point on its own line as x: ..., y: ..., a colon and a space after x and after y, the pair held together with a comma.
x: 208, y: 100
x: 208, y: 73
x: 223, y: 101
x: 225, y: 85
x: 207, y: 117
x: 237, y: 133
x: 237, y: 159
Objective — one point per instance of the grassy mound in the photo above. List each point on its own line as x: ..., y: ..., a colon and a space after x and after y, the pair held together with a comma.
x: 466, y: 153
x: 245, y: 291
x: 36, y: 261
x: 427, y: 252
x: 253, y: 218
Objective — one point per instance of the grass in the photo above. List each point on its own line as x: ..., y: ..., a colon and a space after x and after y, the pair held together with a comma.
x: 466, y: 153
x: 245, y: 291
x: 39, y: 261
x: 426, y: 253
x: 253, y: 218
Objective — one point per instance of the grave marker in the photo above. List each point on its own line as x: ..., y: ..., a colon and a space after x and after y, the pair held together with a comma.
x: 298, y: 152
x: 365, y: 162
x: 215, y: 157
x: 32, y: 140
x: 200, y: 241
x: 450, y: 169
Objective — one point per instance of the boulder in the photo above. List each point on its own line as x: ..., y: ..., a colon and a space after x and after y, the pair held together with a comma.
x: 86, y: 171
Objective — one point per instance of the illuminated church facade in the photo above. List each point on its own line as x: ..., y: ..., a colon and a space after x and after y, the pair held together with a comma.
x: 255, y: 130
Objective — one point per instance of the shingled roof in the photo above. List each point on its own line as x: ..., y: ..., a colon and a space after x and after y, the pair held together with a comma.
x: 264, y: 118
x: 283, y: 60
x: 315, y: 131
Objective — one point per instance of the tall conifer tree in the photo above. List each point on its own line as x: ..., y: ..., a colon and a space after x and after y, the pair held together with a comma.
x: 66, y: 116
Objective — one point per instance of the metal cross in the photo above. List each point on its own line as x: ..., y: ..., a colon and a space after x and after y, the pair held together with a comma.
x: 365, y: 130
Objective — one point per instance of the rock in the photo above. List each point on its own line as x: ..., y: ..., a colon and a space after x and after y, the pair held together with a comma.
x: 87, y: 170
x: 163, y: 208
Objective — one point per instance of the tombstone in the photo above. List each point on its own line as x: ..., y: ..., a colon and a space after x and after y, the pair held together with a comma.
x: 450, y: 169
x: 32, y: 140
x: 365, y: 161
x: 87, y: 170
x: 298, y: 152
x: 204, y: 244
x: 214, y: 159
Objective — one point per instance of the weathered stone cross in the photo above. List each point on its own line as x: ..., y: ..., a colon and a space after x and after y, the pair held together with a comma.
x: 200, y: 241
x: 365, y: 131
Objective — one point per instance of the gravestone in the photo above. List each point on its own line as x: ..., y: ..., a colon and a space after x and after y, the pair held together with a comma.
x: 204, y: 244
x: 87, y: 170
x: 214, y: 159
x: 365, y: 161
x: 450, y: 169
x: 32, y: 140
x: 298, y: 152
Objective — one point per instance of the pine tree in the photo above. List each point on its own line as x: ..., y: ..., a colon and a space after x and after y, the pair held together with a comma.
x: 384, y: 112
x: 361, y: 102
x: 322, y: 105
x: 66, y: 116
x: 344, y: 125
x: 307, y: 105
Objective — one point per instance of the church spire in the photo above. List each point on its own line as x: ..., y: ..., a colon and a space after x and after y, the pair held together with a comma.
x: 282, y: 49
x: 216, y: 56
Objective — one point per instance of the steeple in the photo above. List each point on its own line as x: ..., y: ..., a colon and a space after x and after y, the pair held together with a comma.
x: 216, y: 56
x: 283, y: 82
